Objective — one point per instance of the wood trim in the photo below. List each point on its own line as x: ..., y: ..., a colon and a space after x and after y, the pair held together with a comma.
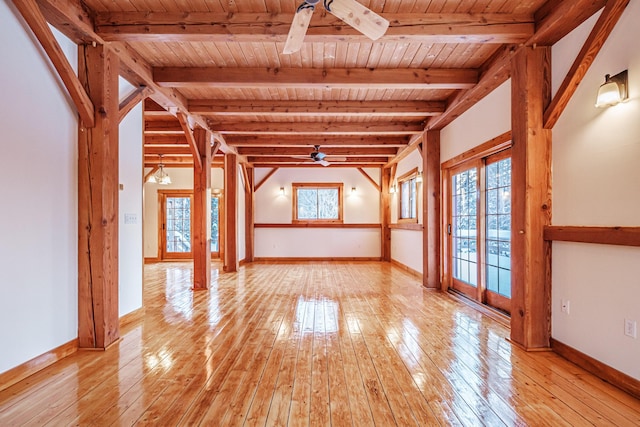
x: 38, y: 363
x: 315, y: 225
x: 597, y: 368
x: 494, y: 145
x: 33, y: 16
x: 134, y: 316
x: 407, y: 226
x: 599, y: 34
x: 151, y: 260
x: 621, y: 236
x: 407, y: 269
x: 385, y: 213
x: 366, y: 175
x: 304, y: 259
x: 266, y: 177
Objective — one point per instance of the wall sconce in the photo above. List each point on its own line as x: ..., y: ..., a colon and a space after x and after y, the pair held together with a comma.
x: 419, y: 176
x: 614, y: 90
x: 393, y: 189
x: 282, y: 191
x: 353, y: 190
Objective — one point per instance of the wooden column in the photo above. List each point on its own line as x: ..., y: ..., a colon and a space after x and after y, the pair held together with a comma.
x: 385, y: 214
x: 531, y: 199
x: 201, y: 224
x: 249, y: 214
x: 98, y: 322
x: 230, y: 212
x: 431, y: 209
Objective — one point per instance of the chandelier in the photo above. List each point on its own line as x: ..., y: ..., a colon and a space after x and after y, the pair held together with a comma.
x: 160, y: 177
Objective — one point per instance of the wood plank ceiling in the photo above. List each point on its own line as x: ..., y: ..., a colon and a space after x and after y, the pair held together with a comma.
x: 358, y: 99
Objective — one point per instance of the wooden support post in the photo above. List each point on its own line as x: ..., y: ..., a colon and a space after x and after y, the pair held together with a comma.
x: 201, y: 228
x: 98, y: 322
x: 231, y: 212
x: 249, y: 214
x: 431, y: 209
x: 385, y: 215
x: 531, y: 199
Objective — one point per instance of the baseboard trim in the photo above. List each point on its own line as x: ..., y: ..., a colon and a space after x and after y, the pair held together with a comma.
x: 132, y: 317
x: 151, y: 260
x: 411, y: 271
x: 597, y: 368
x: 296, y: 259
x: 38, y: 363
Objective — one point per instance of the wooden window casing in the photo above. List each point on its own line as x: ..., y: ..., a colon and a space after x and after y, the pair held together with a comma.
x: 408, y: 188
x: 325, y: 185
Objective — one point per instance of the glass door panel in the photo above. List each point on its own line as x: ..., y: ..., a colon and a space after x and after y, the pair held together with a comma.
x: 177, y: 226
x: 498, y: 233
x: 464, y: 220
x: 215, y: 231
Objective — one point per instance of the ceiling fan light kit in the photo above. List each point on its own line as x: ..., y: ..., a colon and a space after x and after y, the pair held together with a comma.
x: 351, y: 12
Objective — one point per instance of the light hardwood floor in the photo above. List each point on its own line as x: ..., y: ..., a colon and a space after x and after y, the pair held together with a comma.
x: 327, y: 343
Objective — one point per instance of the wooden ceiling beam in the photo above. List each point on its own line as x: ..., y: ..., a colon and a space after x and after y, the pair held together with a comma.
x: 336, y: 78
x: 314, y: 165
x: 311, y: 140
x: 329, y: 151
x: 316, y: 128
x: 557, y: 18
x: 176, y: 139
x: 225, y: 107
x: 169, y: 150
x: 324, y: 27
x: 285, y: 159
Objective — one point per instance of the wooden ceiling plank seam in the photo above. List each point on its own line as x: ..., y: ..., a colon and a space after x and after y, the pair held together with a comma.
x: 37, y: 22
x: 596, y: 39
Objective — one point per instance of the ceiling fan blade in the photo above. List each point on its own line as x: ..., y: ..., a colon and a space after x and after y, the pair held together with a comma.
x: 298, y: 30
x: 359, y: 17
x: 323, y: 162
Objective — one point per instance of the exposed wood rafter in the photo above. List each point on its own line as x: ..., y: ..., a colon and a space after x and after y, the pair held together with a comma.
x: 191, y: 141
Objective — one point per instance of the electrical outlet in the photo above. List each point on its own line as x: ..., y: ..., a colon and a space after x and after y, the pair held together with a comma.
x: 630, y: 328
x: 565, y: 306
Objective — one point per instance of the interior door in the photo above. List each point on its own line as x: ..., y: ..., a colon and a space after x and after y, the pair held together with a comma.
x: 175, y: 230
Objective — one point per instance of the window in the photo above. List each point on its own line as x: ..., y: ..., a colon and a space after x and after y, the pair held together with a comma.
x: 315, y: 202
x: 408, y: 203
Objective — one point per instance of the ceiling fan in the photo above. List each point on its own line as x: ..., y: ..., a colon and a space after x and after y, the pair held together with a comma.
x: 321, y: 158
x: 353, y: 13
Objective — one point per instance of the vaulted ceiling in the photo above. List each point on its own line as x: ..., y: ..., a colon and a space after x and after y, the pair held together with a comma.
x: 220, y: 64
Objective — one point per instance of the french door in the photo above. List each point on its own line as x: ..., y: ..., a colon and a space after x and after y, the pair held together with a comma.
x: 479, y: 230
x: 175, y: 224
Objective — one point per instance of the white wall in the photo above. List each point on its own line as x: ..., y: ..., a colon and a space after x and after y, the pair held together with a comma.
x: 130, y: 260
x: 181, y: 179
x: 406, y: 245
x: 361, y: 207
x: 38, y: 230
x: 596, y: 181
x: 487, y: 119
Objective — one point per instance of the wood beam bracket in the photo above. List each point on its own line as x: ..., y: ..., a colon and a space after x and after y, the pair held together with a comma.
x: 188, y: 133
x: 371, y: 180
x: 33, y: 16
x: 130, y: 101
